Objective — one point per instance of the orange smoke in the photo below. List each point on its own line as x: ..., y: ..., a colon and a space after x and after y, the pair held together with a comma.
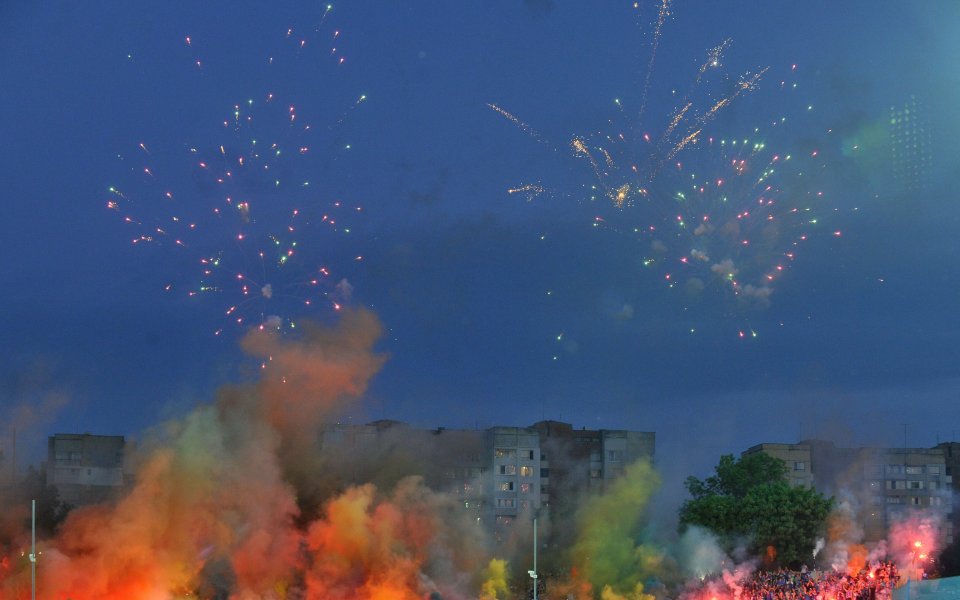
x: 857, y: 560
x: 214, y: 507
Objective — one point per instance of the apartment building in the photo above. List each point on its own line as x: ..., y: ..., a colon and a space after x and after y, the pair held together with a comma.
x: 85, y: 468
x: 882, y: 485
x: 500, y: 473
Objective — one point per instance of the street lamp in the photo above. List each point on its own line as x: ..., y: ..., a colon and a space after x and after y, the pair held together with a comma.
x: 33, y: 549
x: 533, y: 573
x: 913, y: 563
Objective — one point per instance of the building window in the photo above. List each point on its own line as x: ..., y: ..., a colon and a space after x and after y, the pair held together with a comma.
x: 506, y: 503
x: 914, y: 470
x: 933, y: 469
x: 543, y: 456
x: 915, y: 500
x: 526, y: 471
x: 894, y: 469
x: 932, y: 485
x: 614, y: 455
x: 893, y: 499
x: 544, y: 473
x: 799, y: 465
x: 506, y: 486
x: 504, y: 452
x: 916, y: 485
x: 524, y: 505
x: 530, y: 454
x: 596, y: 473
x: 524, y: 488
x: 544, y: 488
x: 898, y: 484
x: 508, y: 469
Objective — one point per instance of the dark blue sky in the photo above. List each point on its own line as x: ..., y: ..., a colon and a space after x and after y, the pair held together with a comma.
x: 860, y: 336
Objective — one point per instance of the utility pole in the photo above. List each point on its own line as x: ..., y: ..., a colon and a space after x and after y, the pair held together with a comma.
x: 33, y: 550
x: 533, y: 573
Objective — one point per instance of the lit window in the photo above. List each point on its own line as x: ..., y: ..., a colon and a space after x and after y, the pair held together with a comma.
x: 508, y: 469
x: 526, y: 471
x: 506, y: 486
x: 595, y: 473
x: 524, y: 488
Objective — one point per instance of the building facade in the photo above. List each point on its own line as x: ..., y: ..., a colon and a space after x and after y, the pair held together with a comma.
x: 85, y: 468
x: 881, y: 485
x: 951, y: 455
x: 500, y: 474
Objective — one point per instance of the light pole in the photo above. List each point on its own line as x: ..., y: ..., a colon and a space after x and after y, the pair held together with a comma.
x: 533, y: 573
x: 913, y: 564
x: 33, y: 550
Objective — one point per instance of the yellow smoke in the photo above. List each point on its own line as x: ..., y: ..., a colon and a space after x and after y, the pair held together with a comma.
x: 495, y: 580
x: 636, y: 594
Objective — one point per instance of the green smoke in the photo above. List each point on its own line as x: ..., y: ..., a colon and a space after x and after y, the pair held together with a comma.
x: 608, y: 552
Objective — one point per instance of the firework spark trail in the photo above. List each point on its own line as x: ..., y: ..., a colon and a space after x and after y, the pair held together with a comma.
x: 746, y: 84
x: 657, y: 32
x: 531, y: 190
x: 728, y: 219
x: 249, y: 219
x: 516, y: 121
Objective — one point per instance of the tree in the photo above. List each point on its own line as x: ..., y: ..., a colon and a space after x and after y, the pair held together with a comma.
x: 749, y: 501
x: 51, y: 511
x: 948, y: 563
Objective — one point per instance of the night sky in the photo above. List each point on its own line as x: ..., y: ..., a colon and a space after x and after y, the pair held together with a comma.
x: 498, y: 308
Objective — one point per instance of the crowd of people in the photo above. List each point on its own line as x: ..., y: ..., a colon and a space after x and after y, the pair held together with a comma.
x: 874, y: 583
